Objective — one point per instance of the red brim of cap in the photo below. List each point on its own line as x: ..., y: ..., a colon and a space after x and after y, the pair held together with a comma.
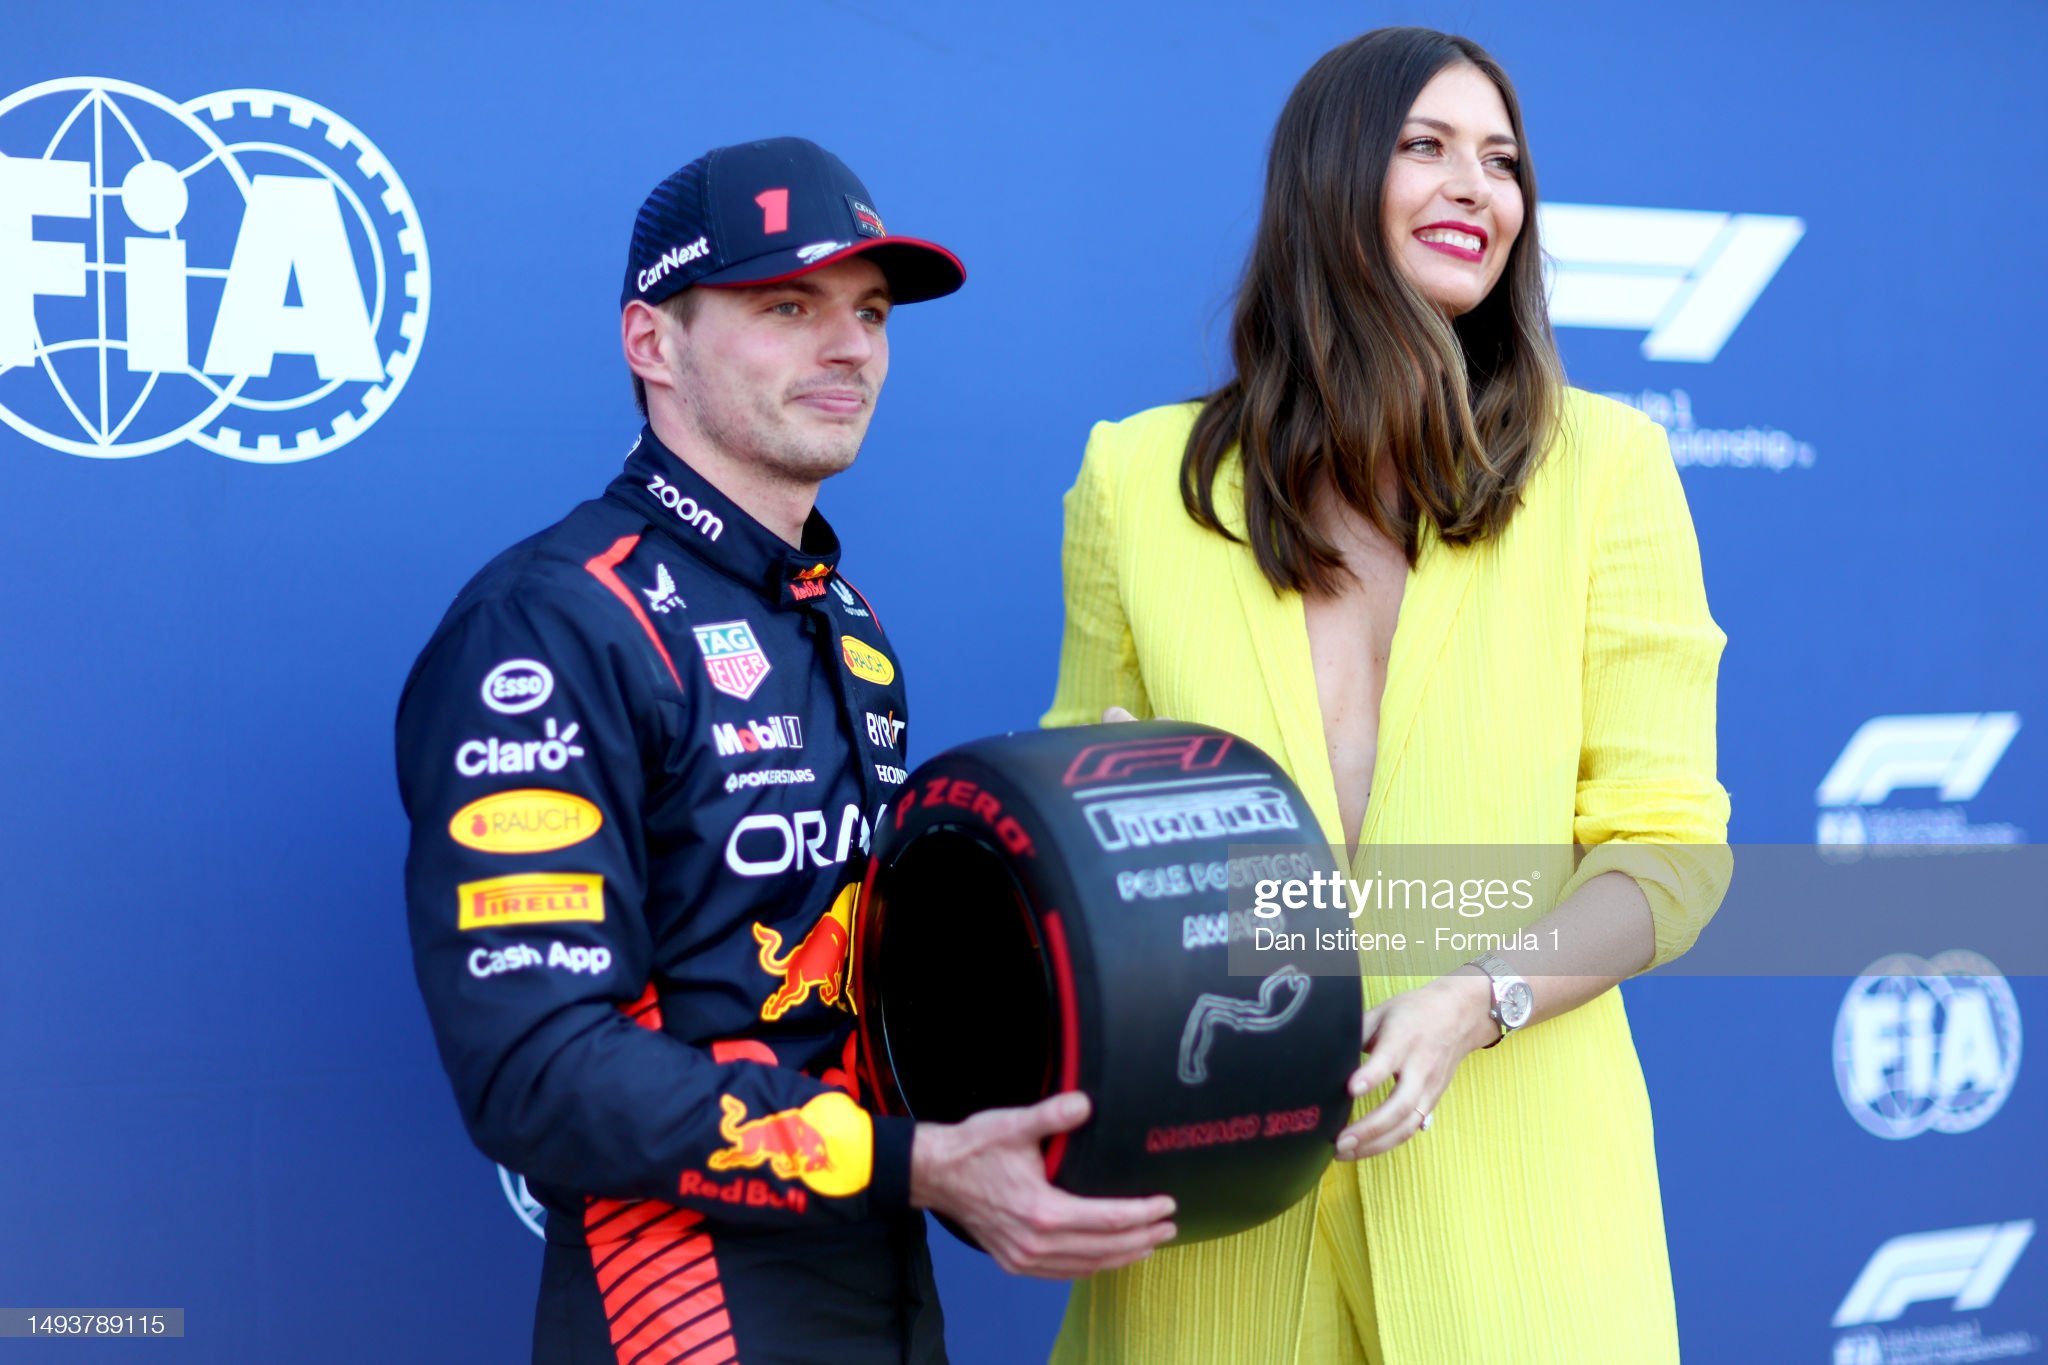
x: 916, y: 269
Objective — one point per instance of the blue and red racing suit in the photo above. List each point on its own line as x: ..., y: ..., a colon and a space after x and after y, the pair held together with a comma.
x: 643, y: 755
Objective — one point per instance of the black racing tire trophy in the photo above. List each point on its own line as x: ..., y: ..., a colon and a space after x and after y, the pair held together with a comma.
x: 1048, y: 911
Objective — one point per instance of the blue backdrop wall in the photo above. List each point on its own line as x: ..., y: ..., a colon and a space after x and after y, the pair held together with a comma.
x: 1800, y: 236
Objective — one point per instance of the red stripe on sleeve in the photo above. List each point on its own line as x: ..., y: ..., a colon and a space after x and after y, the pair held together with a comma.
x: 605, y: 569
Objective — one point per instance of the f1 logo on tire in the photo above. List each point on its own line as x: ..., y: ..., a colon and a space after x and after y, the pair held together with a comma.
x: 1119, y: 760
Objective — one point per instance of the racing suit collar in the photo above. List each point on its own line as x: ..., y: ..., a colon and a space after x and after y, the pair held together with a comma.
x: 692, y: 512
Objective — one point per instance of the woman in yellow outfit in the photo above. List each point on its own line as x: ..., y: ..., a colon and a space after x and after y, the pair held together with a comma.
x: 1462, y: 604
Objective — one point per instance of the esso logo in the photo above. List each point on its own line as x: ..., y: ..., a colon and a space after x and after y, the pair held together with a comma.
x: 1923, y: 1045
x: 517, y: 686
x: 243, y: 271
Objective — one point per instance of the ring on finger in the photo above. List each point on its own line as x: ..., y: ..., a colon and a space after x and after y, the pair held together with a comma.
x: 1427, y: 1118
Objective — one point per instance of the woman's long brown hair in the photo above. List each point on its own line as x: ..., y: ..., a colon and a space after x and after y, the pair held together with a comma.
x: 1342, y: 366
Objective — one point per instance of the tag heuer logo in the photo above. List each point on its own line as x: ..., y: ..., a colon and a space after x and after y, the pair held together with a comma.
x: 732, y: 658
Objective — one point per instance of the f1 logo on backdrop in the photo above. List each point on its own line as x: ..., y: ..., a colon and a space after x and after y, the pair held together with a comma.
x: 1925, y: 1045
x: 1685, y: 277
x: 243, y: 271
x: 1964, y: 1267
x: 1952, y: 755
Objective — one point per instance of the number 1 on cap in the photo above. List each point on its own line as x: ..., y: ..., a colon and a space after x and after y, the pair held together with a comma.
x: 774, y: 211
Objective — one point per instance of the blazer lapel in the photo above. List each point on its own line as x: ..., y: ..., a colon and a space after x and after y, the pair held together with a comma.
x: 1276, y: 629
x: 1429, y: 605
x: 1277, y: 638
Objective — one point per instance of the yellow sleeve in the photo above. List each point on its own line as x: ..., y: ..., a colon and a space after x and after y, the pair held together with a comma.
x: 1648, y: 801
x: 1098, y: 658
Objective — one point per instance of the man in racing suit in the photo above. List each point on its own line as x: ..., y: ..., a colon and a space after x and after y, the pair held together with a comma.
x: 644, y: 755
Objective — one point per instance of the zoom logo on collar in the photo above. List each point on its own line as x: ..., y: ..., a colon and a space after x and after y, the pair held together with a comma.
x: 688, y: 511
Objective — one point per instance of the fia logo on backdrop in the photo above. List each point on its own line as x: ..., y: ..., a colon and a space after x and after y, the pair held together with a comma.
x: 243, y: 271
x: 1686, y: 279
x: 1926, y: 1046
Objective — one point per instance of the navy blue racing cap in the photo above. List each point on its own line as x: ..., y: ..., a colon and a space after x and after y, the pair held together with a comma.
x: 764, y: 212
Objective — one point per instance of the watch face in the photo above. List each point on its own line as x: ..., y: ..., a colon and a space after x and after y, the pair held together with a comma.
x: 1517, y: 1003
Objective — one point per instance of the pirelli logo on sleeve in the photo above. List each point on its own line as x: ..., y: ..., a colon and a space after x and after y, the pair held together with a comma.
x: 531, y: 898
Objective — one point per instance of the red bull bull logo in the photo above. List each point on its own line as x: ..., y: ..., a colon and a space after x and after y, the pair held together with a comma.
x: 828, y: 1144
x: 818, y: 962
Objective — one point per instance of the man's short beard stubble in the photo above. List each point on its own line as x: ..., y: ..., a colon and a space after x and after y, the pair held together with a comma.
x: 758, y: 429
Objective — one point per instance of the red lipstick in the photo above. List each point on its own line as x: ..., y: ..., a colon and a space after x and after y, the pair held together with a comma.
x: 1463, y: 254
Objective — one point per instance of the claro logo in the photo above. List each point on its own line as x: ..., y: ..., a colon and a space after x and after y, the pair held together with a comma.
x: 495, y: 757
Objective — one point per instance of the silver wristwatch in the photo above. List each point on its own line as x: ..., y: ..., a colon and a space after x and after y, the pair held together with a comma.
x: 1513, y: 1001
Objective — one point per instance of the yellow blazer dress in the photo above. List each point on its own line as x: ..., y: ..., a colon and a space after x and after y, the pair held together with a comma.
x: 1550, y: 686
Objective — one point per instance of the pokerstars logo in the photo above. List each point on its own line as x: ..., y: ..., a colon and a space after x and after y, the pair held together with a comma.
x: 243, y: 271
x: 1950, y: 755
